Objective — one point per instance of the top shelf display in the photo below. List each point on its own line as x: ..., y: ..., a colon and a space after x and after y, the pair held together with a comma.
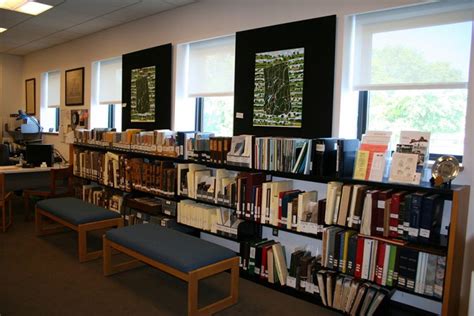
x: 280, y: 157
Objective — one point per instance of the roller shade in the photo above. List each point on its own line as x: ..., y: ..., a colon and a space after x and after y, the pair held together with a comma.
x: 211, y: 67
x: 110, y: 81
x: 405, y: 40
x: 54, y: 89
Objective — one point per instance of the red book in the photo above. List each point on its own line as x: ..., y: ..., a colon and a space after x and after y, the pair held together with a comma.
x: 359, y: 257
x: 264, y: 266
x: 381, y: 198
x: 394, y: 212
x: 380, y: 263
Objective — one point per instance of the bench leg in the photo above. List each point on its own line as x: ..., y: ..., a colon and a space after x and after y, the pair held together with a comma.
x: 82, y: 230
x: 41, y: 230
x: 193, y: 285
x: 193, y: 295
x: 110, y: 269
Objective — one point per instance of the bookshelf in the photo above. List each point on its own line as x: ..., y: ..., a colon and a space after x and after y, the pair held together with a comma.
x: 454, y: 252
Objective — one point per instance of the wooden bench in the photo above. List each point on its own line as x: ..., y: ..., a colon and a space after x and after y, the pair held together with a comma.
x: 77, y: 215
x: 188, y: 258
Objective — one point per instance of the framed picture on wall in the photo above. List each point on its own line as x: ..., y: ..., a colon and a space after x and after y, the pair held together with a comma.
x: 146, y: 88
x: 74, y: 86
x: 30, y: 96
x: 284, y: 79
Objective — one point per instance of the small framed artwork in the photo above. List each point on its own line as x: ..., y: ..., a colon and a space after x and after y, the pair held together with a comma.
x: 74, y: 86
x: 30, y: 96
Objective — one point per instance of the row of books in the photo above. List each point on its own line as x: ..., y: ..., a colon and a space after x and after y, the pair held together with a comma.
x: 412, y: 216
x: 283, y: 154
x: 187, y: 145
x: 266, y: 260
x: 101, y: 196
x: 385, y: 264
x: 124, y: 173
x: 218, y: 220
x: 253, y: 196
x: 324, y: 157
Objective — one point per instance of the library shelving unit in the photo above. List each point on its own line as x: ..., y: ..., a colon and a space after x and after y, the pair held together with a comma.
x: 454, y: 252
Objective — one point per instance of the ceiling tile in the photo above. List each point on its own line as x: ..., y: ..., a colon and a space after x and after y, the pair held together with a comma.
x: 10, y: 18
x: 92, y: 26
x: 71, y: 19
x: 137, y: 11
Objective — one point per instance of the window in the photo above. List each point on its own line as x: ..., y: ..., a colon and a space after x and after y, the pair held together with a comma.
x: 209, y: 83
x: 50, y: 101
x: 106, y: 109
x: 411, y: 68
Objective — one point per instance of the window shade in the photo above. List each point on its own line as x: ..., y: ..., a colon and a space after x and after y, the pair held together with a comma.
x: 54, y: 89
x: 110, y: 81
x: 211, y: 67
x: 422, y: 47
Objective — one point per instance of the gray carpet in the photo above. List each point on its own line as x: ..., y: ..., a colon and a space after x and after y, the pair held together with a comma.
x: 42, y: 276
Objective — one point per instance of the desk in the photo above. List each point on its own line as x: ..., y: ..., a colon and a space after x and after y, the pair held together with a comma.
x: 13, y: 178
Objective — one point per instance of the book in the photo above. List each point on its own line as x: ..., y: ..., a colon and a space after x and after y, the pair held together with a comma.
x: 430, y: 274
x: 356, y: 206
x: 351, y: 254
x: 416, y: 207
x: 280, y: 262
x: 345, y: 204
x: 395, y: 229
x: 439, y: 279
x: 346, y: 150
x: 331, y: 204
x: 431, y: 217
x: 321, y: 275
x: 307, y: 213
x: 359, y: 299
x: 325, y: 155
x: 366, y: 225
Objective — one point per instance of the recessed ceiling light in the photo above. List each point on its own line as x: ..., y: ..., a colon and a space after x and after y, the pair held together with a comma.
x: 25, y: 6
x: 2, y: 29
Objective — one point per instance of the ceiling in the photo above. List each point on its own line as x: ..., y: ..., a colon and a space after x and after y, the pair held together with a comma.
x: 71, y: 19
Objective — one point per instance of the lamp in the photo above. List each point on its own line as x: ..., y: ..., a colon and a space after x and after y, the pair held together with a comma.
x: 26, y: 128
x: 25, y: 6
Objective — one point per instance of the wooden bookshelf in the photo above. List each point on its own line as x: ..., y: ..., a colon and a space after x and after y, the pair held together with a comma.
x: 458, y: 194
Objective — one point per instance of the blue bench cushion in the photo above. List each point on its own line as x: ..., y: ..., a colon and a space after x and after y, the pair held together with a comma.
x: 175, y: 249
x: 76, y: 211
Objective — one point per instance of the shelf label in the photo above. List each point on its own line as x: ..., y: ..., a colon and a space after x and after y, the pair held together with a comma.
x: 291, y: 281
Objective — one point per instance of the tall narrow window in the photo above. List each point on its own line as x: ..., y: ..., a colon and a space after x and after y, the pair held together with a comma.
x: 107, y: 93
x: 210, y: 82
x: 50, y: 101
x: 411, y: 66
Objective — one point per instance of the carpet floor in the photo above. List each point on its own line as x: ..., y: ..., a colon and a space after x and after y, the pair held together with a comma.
x: 42, y: 276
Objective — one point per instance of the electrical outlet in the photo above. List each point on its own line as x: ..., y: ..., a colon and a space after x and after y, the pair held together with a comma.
x: 275, y: 232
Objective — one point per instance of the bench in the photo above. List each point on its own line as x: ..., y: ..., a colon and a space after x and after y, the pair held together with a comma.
x: 77, y: 215
x: 188, y: 258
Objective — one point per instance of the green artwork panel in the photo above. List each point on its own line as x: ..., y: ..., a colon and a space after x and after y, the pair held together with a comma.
x: 278, y: 90
x: 143, y: 95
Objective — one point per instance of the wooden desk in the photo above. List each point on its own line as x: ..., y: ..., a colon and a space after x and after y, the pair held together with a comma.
x: 13, y: 178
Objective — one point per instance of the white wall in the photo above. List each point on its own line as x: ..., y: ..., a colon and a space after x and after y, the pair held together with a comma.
x: 212, y: 18
x: 11, y: 85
